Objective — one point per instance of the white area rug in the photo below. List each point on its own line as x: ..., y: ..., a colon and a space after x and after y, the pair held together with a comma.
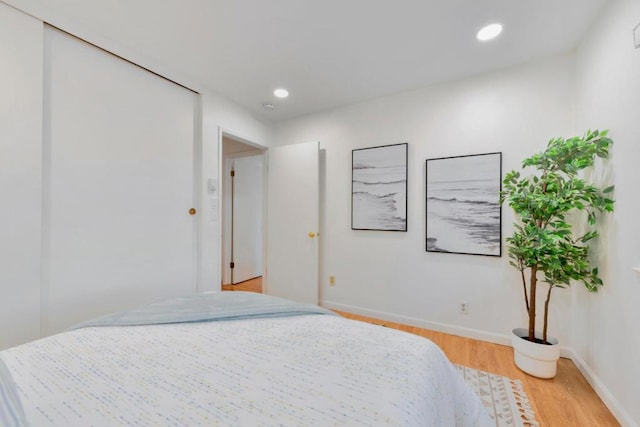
x: 504, y: 398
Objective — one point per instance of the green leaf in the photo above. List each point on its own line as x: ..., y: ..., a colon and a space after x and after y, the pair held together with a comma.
x: 542, y: 202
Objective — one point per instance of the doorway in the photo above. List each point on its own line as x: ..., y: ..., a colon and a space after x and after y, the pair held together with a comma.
x: 243, y: 183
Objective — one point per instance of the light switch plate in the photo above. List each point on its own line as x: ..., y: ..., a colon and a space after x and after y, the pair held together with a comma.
x: 636, y: 36
x: 213, y: 211
x: 212, y: 185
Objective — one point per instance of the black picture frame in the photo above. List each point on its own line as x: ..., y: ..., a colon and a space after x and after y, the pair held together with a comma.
x: 379, y: 182
x: 463, y: 213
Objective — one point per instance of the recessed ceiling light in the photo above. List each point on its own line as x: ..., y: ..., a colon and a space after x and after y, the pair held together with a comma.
x: 489, y: 32
x: 268, y: 106
x: 281, y: 93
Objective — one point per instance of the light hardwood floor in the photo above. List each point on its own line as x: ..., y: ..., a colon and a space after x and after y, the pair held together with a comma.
x: 565, y: 401
x: 251, y: 285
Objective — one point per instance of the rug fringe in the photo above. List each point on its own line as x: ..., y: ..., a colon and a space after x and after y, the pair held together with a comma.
x: 522, y: 403
x: 503, y: 397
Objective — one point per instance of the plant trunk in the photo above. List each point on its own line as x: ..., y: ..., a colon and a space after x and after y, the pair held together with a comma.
x: 533, y: 284
x: 524, y: 289
x: 532, y: 303
x: 546, y: 315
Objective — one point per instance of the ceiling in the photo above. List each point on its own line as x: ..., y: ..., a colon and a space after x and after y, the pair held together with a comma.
x: 329, y: 53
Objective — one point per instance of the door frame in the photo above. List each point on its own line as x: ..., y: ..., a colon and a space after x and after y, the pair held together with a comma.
x: 222, y: 132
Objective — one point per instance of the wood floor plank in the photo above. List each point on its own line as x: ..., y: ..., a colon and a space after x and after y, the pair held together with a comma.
x: 564, y: 401
x: 251, y: 285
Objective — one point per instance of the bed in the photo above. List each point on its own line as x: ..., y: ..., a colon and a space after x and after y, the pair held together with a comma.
x: 232, y: 359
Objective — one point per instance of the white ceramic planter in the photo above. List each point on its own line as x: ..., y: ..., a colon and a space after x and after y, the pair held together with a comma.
x: 539, y: 360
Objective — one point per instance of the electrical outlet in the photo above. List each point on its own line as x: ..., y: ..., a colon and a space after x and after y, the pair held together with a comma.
x: 464, y: 308
x: 332, y: 280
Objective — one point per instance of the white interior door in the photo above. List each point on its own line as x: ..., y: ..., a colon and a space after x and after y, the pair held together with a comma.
x: 247, y: 212
x: 292, y: 222
x: 119, y: 176
x: 20, y: 176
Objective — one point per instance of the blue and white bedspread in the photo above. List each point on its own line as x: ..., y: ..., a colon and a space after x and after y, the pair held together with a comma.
x: 243, y: 370
x: 11, y: 412
x: 207, y: 307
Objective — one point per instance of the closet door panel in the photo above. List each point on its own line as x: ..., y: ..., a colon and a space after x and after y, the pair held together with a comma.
x: 20, y: 176
x: 119, y: 142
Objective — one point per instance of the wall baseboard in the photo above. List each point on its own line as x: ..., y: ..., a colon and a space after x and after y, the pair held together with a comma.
x: 420, y: 323
x: 601, y: 390
x: 461, y: 331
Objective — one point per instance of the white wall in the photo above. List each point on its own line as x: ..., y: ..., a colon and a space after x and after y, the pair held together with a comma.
x: 386, y: 274
x: 608, y: 97
x: 21, y: 54
x: 217, y: 112
x: 20, y: 175
x: 220, y: 113
x: 389, y: 274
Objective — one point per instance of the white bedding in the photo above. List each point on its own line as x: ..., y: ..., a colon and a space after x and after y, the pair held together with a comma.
x: 309, y: 370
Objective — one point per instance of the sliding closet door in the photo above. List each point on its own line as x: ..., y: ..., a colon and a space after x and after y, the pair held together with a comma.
x: 20, y: 179
x: 119, y: 184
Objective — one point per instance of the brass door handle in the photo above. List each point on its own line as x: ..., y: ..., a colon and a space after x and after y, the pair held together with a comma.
x: 192, y: 211
x: 312, y: 234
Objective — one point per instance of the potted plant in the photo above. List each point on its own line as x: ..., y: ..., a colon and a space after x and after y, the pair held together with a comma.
x: 544, y: 245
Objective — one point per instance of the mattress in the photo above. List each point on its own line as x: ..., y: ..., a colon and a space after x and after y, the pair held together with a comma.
x: 303, y: 369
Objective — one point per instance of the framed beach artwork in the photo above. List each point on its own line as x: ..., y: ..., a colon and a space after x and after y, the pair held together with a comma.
x: 463, y: 204
x: 379, y: 188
